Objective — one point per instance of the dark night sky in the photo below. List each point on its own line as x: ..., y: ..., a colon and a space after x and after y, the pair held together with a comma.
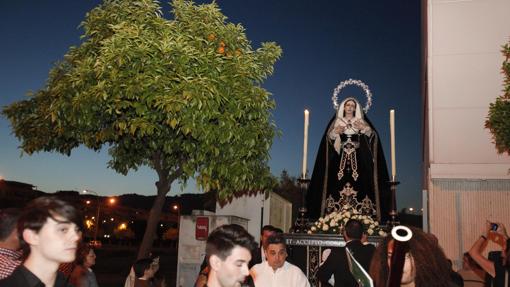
x: 323, y: 42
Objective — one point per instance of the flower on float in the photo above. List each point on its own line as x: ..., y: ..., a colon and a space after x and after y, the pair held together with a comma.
x: 334, y: 222
x: 382, y: 233
x: 309, y: 232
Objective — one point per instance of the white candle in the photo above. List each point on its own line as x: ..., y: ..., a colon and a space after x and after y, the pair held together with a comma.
x: 305, y: 145
x: 392, y: 139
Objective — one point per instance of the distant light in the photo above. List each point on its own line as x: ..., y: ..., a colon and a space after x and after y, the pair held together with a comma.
x: 112, y: 200
x: 104, y: 221
x: 93, y: 217
x: 111, y: 219
x: 161, y: 225
x: 411, y: 209
x: 87, y: 202
x: 175, y: 207
x: 88, y: 223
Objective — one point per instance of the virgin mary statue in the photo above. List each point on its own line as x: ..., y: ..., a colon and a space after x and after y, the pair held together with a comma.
x: 350, y: 168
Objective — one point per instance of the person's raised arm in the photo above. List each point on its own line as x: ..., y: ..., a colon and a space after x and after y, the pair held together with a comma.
x: 476, y: 252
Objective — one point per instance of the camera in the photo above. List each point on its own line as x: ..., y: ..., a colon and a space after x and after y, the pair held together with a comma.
x: 494, y: 226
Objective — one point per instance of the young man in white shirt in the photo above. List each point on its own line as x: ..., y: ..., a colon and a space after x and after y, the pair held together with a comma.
x: 276, y: 271
x: 228, y: 252
x: 49, y: 231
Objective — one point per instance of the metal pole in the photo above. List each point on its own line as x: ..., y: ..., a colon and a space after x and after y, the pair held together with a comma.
x: 393, y: 212
x: 97, y: 219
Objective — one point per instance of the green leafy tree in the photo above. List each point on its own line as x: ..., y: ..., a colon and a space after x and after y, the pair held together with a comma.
x: 498, y: 120
x: 181, y: 96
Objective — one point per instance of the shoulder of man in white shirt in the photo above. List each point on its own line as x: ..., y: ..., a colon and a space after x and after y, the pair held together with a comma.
x: 264, y: 266
x: 260, y: 272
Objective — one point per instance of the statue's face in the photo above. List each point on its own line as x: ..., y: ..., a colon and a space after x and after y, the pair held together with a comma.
x: 349, y: 107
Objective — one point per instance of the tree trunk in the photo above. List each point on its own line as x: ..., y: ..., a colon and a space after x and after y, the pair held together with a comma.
x: 152, y: 222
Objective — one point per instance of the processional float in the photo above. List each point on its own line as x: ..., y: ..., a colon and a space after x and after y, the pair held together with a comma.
x: 328, y: 203
x: 346, y: 202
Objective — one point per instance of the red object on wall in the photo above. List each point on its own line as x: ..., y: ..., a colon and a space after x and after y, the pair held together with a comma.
x: 202, y: 228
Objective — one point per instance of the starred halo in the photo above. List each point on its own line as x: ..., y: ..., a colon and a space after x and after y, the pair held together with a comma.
x: 350, y: 82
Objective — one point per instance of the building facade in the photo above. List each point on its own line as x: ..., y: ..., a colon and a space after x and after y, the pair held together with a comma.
x: 465, y: 180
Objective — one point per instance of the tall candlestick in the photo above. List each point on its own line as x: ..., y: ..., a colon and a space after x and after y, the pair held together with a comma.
x: 392, y: 139
x: 305, y: 145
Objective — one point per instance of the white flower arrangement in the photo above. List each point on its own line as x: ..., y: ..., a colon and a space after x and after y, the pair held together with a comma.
x: 333, y: 223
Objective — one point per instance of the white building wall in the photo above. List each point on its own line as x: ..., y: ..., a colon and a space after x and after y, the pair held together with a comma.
x: 278, y: 212
x: 260, y: 209
x: 468, y: 181
x: 246, y: 206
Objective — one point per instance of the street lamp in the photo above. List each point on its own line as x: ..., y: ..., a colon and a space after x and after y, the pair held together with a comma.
x: 177, y: 209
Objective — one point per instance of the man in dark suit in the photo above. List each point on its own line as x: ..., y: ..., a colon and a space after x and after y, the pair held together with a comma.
x: 337, y: 263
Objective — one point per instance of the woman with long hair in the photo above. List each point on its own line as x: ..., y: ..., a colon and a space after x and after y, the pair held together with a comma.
x: 425, y: 264
x: 82, y: 274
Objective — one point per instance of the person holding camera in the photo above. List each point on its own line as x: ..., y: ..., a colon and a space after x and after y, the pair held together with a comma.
x: 497, y: 265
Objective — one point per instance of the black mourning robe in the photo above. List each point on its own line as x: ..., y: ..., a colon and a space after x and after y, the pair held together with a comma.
x: 372, y: 175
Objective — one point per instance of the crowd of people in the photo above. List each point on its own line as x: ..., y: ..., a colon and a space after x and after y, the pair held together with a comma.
x: 41, y: 246
x: 423, y: 262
